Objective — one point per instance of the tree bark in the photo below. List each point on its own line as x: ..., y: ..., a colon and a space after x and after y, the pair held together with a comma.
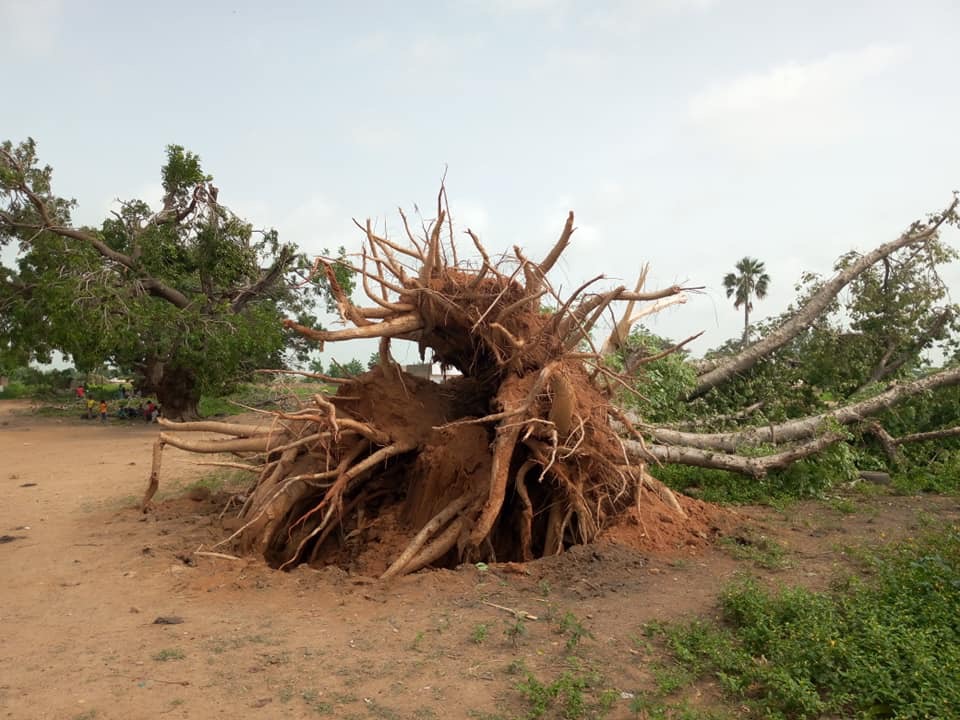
x: 175, y: 388
x: 887, y: 367
x: 926, y: 436
x: 746, y: 325
x: 756, y: 467
x: 803, y: 428
x: 715, y: 372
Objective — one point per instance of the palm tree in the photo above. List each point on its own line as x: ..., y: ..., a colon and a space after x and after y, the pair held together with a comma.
x: 750, y: 280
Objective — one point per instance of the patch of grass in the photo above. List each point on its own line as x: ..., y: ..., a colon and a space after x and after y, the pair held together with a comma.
x: 763, y: 551
x: 808, y: 478
x: 313, y: 701
x: 479, y: 633
x: 641, y: 643
x: 571, y: 626
x: 515, y: 630
x: 59, y: 411
x: 650, y: 707
x: 939, y: 475
x: 169, y: 654
x: 216, y: 406
x: 886, y: 646
x: 844, y: 506
x: 417, y: 641
x: 544, y: 587
x: 282, y: 658
x: 670, y: 678
x: 86, y: 715
x: 516, y: 667
x: 570, y: 696
x: 219, y: 480
x: 15, y: 391
x: 869, y: 489
x: 260, y: 395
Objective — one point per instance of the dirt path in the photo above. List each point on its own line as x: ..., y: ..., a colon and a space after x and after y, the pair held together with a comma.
x: 86, y: 574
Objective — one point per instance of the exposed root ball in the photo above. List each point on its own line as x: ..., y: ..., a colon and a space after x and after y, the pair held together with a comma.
x: 514, y: 460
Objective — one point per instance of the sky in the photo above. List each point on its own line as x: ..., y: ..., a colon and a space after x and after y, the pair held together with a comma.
x: 682, y: 133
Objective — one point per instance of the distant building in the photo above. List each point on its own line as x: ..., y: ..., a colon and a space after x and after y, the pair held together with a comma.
x: 423, y: 370
x: 432, y: 371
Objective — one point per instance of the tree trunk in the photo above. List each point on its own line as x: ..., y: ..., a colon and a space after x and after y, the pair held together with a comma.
x: 179, y: 404
x: 176, y: 390
x: 756, y: 467
x: 746, y: 325
x: 715, y: 372
x: 801, y: 428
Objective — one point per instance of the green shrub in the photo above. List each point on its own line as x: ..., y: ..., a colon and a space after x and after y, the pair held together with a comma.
x: 14, y: 391
x: 805, y: 479
x: 887, y: 646
x: 939, y: 474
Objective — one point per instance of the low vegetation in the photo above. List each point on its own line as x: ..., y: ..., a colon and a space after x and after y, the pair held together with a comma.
x: 883, y: 645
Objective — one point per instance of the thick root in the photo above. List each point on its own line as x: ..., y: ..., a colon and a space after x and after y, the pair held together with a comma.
x: 399, y: 566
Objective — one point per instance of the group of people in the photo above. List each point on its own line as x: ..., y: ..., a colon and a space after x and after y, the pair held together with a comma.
x: 123, y: 408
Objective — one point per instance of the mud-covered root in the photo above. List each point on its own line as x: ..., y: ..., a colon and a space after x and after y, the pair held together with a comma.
x: 516, y: 459
x: 243, y: 439
x: 415, y: 556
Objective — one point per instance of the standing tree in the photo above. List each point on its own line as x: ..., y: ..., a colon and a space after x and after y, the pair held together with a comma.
x: 189, y: 297
x: 750, y: 280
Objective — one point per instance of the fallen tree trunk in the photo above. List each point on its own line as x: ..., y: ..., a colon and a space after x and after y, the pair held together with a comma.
x: 756, y: 467
x: 804, y: 428
x: 712, y: 373
x: 891, y: 445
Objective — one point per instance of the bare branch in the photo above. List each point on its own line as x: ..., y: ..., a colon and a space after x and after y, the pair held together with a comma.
x: 756, y: 467
x: 714, y: 372
x: 393, y: 327
x: 807, y: 427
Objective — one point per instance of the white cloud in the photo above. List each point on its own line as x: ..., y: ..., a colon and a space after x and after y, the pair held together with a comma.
x: 30, y: 27
x: 316, y: 224
x: 793, y: 102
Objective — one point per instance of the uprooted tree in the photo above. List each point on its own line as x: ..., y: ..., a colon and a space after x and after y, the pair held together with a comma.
x: 516, y: 459
x: 525, y: 454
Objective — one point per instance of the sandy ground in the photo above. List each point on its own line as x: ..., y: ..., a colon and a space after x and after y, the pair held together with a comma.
x: 85, y: 575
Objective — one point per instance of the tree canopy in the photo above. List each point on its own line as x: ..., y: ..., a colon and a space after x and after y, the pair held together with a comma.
x: 188, y: 297
x: 749, y: 282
